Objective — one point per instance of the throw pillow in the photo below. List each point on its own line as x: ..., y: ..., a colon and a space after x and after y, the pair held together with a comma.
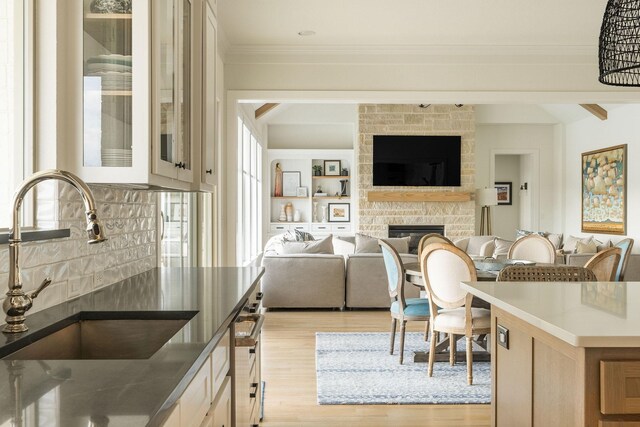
x: 369, y: 245
x: 344, y: 245
x: 476, y: 243
x: 297, y: 236
x: 324, y: 246
x: 501, y: 247
x: 586, y: 248
x: 605, y: 245
x: 556, y: 239
x: 571, y: 241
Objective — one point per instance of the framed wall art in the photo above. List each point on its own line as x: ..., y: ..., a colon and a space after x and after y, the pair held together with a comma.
x: 504, y: 190
x: 339, y: 212
x: 290, y: 183
x: 604, y: 190
x: 332, y: 167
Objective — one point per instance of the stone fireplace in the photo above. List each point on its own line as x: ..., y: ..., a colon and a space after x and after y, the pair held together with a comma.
x: 458, y: 218
x: 416, y: 232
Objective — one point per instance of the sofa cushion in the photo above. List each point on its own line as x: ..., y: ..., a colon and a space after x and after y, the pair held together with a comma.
x: 586, y: 248
x: 369, y: 245
x: 555, y: 239
x: 324, y: 246
x: 501, y: 247
x: 344, y: 245
x: 569, y: 246
x: 476, y: 243
x: 297, y: 236
x: 602, y: 246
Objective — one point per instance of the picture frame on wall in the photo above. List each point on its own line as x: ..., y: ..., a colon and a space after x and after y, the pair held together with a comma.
x: 505, y: 193
x: 604, y: 190
x: 290, y: 183
x: 339, y: 212
x: 332, y: 167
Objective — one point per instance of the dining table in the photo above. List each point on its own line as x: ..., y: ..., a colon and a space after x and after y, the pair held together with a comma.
x: 487, y: 270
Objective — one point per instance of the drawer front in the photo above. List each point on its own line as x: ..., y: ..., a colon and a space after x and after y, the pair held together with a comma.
x: 321, y: 228
x: 341, y: 228
x: 196, y: 399
x: 620, y: 387
x: 220, y: 413
x: 174, y: 417
x: 220, y: 361
x: 278, y: 228
x: 300, y: 227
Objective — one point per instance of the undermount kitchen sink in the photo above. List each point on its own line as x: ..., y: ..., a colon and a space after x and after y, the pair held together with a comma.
x: 104, y: 335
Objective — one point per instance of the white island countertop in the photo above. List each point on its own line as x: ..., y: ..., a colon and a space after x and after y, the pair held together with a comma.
x: 581, y: 314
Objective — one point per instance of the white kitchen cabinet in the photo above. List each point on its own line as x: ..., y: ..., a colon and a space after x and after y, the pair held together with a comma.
x: 136, y: 78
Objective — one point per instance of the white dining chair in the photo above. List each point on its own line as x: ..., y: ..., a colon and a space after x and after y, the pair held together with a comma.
x: 533, y: 248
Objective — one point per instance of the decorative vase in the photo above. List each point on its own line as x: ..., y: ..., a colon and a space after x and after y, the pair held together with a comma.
x: 324, y: 214
x: 289, y: 212
x: 277, y: 191
x: 343, y: 187
x: 296, y: 216
x: 283, y: 213
x: 315, y: 211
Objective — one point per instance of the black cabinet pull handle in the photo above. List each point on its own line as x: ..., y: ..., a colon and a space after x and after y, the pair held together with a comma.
x: 209, y: 171
x: 259, y: 296
x: 178, y: 164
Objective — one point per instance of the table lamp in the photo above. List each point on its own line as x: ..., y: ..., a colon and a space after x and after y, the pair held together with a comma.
x: 486, y: 197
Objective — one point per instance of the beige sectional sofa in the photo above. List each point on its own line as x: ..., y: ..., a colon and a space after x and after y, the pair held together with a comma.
x: 303, y: 281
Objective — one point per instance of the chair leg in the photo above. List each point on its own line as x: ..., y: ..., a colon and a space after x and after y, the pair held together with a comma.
x: 426, y: 331
x: 403, y: 325
x: 432, y: 352
x: 452, y: 349
x: 394, y: 324
x: 469, y: 360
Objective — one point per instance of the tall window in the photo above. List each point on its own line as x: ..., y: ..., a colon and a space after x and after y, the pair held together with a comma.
x: 15, y: 41
x: 249, y: 194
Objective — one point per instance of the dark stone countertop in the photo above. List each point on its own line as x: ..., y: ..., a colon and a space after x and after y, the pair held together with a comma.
x: 138, y: 392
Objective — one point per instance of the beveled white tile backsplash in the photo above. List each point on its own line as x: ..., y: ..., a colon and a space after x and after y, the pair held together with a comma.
x: 76, y: 268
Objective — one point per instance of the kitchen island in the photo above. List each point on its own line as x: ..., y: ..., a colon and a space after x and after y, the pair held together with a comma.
x: 564, y: 354
x: 126, y: 392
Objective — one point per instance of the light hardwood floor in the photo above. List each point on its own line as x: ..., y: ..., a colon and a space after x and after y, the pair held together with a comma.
x: 288, y: 367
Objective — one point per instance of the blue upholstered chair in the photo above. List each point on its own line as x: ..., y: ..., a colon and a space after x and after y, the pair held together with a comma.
x: 625, y: 245
x: 402, y: 309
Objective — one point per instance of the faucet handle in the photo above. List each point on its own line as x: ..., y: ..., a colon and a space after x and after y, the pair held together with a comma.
x: 46, y: 282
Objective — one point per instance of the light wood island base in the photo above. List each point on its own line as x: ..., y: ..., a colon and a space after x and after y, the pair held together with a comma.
x: 541, y: 380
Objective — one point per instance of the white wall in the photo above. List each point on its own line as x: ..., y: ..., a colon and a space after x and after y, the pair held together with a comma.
x: 311, y: 136
x: 506, y: 218
x: 537, y: 140
x: 622, y: 127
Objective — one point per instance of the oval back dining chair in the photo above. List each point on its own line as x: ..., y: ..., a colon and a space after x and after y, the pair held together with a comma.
x: 604, y: 264
x: 444, y: 266
x: 556, y: 273
x: 533, y: 248
x: 431, y: 238
x: 402, y: 309
x: 625, y: 245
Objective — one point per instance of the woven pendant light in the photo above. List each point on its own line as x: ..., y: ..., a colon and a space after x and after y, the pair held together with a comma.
x: 620, y: 44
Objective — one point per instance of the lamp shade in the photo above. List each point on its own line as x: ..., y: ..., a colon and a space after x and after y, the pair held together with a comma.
x: 487, y: 197
x: 619, y: 52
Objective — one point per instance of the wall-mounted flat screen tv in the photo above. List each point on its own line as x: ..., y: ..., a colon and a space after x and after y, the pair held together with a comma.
x: 401, y: 160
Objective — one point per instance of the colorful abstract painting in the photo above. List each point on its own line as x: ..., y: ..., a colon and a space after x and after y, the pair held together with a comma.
x: 604, y: 190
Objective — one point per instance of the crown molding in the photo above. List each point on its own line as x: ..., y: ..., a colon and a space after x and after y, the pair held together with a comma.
x: 240, y: 54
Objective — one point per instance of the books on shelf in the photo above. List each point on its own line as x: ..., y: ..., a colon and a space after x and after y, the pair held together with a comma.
x: 320, y: 195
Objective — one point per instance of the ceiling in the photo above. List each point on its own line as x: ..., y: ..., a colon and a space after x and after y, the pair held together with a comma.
x: 411, y: 23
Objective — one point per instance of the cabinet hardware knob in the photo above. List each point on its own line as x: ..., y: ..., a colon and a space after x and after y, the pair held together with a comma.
x: 259, y: 296
x: 209, y: 171
x: 183, y: 165
x: 178, y: 164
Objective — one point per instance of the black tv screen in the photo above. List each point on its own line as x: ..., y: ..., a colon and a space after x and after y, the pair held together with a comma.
x: 416, y: 160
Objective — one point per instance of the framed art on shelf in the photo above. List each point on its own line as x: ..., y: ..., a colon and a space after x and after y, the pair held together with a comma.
x: 339, y: 212
x: 301, y: 192
x: 332, y: 167
x: 604, y: 190
x: 504, y: 192
x: 290, y: 183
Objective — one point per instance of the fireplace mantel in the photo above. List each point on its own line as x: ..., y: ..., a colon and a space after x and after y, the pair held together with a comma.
x: 418, y: 196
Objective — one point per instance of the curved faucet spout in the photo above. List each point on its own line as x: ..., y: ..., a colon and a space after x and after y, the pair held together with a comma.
x: 17, y: 302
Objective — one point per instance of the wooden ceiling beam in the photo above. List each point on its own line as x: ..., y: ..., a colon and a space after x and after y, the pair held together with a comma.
x: 596, y: 110
x: 264, y: 109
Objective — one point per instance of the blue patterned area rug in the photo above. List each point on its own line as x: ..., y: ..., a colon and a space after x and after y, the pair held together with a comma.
x: 357, y: 369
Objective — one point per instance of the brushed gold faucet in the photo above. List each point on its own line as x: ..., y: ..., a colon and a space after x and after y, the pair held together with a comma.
x: 17, y: 302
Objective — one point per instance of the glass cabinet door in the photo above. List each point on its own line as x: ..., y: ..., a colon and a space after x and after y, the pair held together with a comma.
x: 107, y: 89
x: 211, y: 107
x: 184, y: 93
